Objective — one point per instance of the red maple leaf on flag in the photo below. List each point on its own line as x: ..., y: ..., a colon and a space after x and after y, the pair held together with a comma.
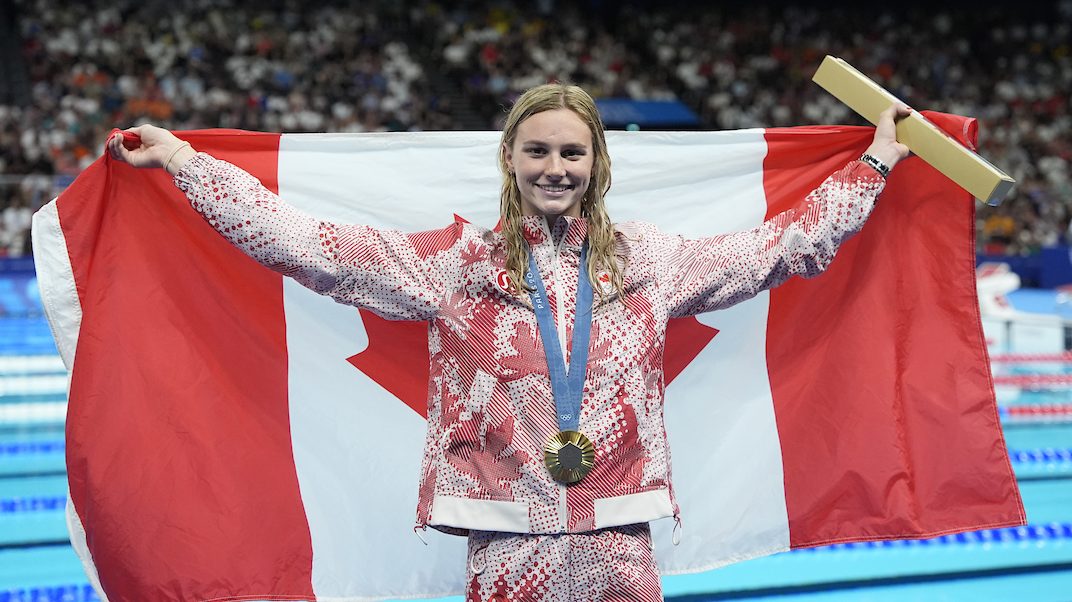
x: 397, y: 354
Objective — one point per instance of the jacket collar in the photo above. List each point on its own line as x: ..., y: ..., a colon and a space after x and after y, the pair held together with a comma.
x: 570, y: 231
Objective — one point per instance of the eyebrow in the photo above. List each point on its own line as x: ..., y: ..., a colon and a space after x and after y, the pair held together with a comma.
x: 567, y: 145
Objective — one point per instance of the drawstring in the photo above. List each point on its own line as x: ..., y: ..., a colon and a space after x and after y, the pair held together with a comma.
x: 418, y: 530
x: 677, y: 530
x: 482, y: 555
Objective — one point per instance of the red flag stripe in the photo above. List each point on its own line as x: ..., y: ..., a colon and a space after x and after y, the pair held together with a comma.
x: 845, y: 484
x: 157, y: 533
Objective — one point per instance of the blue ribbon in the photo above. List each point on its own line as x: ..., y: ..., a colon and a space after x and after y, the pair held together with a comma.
x: 566, y: 388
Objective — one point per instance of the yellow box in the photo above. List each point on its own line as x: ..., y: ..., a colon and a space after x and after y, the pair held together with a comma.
x: 972, y: 172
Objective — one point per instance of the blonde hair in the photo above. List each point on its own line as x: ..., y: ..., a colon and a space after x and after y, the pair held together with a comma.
x: 549, y: 97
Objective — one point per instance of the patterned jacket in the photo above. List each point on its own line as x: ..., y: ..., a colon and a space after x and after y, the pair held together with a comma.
x: 490, y: 408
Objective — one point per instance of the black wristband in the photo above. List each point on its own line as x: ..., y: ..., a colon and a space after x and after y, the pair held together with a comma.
x: 879, y: 166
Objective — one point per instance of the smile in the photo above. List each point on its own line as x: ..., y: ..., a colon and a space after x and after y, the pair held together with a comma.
x: 555, y: 187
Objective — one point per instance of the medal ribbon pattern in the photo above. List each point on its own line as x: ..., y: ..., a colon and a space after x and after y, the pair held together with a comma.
x: 569, y: 455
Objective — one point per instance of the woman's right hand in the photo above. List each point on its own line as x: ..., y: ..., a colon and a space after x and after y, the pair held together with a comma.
x: 158, y: 148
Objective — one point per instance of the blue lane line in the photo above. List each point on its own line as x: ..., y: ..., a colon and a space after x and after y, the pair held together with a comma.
x: 964, y: 584
x: 27, y: 448
x: 1047, y: 455
x: 33, y: 503
x: 65, y: 593
x: 1036, y: 533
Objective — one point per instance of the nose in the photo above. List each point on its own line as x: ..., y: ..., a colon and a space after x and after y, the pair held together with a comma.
x: 556, y: 168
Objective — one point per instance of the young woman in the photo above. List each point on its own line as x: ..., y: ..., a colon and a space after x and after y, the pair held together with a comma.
x: 545, y: 439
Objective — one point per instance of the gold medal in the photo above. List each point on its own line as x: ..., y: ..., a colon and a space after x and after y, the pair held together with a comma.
x: 569, y: 456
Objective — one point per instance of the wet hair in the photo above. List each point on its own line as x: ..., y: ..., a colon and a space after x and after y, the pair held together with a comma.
x: 601, y: 242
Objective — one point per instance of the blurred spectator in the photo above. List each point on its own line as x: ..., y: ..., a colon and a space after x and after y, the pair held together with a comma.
x: 350, y: 66
x: 15, y: 220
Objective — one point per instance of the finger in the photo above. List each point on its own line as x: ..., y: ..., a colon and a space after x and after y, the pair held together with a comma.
x: 885, y: 117
x: 113, y: 146
x: 122, y: 150
x: 136, y: 158
x: 131, y: 139
x: 886, y: 121
x: 109, y: 144
x: 119, y: 152
x: 118, y: 139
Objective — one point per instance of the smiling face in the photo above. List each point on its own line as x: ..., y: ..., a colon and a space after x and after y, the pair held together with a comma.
x: 551, y: 160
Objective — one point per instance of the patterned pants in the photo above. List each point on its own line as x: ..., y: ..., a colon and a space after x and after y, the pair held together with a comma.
x: 608, y: 565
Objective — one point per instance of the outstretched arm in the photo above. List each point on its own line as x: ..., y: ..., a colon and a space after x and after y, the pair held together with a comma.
x: 356, y: 265
x: 712, y: 273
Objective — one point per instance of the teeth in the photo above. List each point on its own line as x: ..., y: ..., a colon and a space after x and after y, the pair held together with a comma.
x: 553, y: 187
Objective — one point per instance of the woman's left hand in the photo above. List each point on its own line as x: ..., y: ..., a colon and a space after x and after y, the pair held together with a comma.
x: 885, y: 146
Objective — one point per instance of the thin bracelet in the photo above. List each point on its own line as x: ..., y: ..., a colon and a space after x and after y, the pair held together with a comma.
x: 876, y: 163
x: 173, y: 153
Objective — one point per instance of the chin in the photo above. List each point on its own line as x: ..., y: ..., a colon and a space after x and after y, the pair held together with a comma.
x: 556, y: 208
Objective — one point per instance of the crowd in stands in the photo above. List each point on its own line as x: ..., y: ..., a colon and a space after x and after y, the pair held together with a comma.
x: 376, y: 65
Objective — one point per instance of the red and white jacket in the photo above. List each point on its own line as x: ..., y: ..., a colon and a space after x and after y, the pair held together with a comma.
x: 490, y: 408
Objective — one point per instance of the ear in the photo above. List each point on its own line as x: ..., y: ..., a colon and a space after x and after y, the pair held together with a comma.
x: 509, y: 156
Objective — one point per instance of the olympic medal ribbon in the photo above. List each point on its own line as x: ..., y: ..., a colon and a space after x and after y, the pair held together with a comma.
x: 569, y: 455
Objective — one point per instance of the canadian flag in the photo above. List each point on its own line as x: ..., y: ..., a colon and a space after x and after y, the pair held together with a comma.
x: 233, y: 436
